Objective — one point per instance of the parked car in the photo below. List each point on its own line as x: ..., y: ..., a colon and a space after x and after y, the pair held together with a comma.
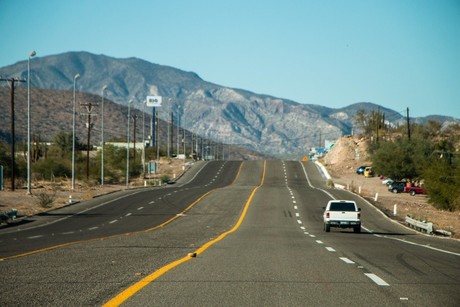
x: 414, y: 190
x: 368, y: 172
x: 360, y: 170
x: 387, y: 181
x: 397, y: 186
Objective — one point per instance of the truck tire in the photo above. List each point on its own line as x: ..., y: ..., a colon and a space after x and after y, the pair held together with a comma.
x: 357, y: 229
x: 412, y: 193
x: 394, y: 191
x: 327, y: 228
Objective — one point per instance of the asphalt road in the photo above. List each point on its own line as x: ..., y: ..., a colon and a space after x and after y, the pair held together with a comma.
x: 258, y: 238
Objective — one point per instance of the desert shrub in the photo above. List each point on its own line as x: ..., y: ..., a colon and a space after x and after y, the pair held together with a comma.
x: 45, y: 200
x: 442, y: 180
x: 49, y: 168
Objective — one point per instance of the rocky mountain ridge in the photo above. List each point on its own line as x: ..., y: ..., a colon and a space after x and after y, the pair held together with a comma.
x: 270, y: 125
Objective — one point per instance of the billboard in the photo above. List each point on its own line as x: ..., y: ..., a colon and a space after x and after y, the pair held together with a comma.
x: 153, y: 101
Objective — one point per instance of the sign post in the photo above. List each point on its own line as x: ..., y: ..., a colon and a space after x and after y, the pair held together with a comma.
x: 154, y: 102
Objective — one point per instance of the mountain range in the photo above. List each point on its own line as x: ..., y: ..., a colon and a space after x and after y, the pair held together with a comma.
x: 272, y: 126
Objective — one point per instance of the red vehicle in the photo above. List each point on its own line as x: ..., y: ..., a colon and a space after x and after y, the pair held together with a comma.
x: 414, y: 190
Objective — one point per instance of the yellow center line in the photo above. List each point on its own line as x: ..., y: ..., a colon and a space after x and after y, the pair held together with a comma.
x: 117, y: 235
x: 127, y: 293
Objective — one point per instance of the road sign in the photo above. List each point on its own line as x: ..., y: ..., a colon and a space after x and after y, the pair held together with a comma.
x: 152, y: 167
x: 153, y: 101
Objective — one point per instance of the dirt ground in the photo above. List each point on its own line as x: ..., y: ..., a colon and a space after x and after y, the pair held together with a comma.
x: 350, y: 153
x: 28, y: 205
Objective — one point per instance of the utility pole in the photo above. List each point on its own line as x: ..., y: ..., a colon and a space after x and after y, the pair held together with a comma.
x: 408, y: 124
x: 12, y: 82
x: 89, y: 108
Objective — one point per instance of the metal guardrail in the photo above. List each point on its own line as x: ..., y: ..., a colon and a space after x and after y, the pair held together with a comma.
x: 419, y: 225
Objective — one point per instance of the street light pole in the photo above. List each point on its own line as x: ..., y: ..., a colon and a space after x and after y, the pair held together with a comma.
x: 127, y: 148
x: 29, y: 186
x: 178, y: 133
x: 102, y: 134
x: 73, y: 132
x: 143, y: 139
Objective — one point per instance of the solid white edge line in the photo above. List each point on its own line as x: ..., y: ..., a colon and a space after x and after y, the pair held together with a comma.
x: 421, y: 245
x: 383, y: 214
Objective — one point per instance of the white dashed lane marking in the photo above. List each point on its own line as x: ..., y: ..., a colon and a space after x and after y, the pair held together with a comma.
x: 346, y: 260
x: 376, y: 279
x: 35, y: 237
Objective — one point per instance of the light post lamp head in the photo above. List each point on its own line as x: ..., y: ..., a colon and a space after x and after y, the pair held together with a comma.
x: 104, y: 88
x: 76, y: 76
x: 32, y: 54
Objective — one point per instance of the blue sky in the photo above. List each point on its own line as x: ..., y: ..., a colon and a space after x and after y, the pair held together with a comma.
x: 396, y: 53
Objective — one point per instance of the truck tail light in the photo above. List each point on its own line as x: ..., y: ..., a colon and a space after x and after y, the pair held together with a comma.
x: 359, y: 215
x: 328, y: 215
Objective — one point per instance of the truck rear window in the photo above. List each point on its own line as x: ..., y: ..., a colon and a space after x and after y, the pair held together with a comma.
x: 342, y: 207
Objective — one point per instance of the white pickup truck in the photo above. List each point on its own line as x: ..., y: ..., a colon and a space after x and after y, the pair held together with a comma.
x: 342, y: 214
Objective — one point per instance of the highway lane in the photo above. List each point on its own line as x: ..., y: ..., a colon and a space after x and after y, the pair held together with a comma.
x: 124, y: 212
x: 420, y: 269
x: 280, y: 255
x: 89, y: 273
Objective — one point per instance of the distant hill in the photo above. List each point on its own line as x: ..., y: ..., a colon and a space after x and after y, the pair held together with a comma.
x: 51, y: 113
x: 262, y: 123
